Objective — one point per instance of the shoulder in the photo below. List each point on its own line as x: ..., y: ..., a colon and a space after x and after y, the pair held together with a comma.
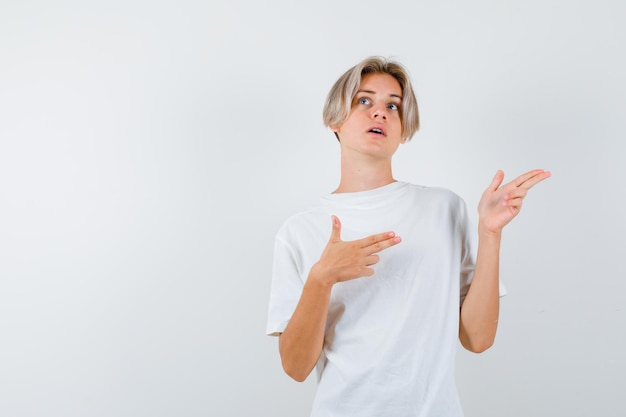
x: 303, y: 222
x: 440, y: 204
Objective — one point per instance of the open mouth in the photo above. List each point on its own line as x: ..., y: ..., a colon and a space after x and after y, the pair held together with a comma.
x: 377, y: 131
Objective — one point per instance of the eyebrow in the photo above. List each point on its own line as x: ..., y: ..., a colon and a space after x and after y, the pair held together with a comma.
x: 374, y: 92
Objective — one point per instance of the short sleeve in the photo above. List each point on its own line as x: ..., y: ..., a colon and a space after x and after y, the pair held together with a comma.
x: 286, y: 287
x: 469, y: 250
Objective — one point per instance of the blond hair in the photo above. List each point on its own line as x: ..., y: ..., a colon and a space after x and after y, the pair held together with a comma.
x: 339, y: 100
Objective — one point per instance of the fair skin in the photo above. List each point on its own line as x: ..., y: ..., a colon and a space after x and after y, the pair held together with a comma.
x: 368, y: 138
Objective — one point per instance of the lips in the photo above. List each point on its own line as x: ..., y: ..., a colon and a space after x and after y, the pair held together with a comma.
x: 378, y: 130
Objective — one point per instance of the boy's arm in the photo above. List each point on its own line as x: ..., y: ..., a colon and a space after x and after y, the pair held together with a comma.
x: 497, y: 207
x: 300, y: 344
x: 480, y: 310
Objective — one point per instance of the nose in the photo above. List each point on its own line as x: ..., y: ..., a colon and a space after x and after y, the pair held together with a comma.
x: 380, y: 113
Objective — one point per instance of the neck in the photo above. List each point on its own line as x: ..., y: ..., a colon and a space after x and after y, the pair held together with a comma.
x: 364, y: 175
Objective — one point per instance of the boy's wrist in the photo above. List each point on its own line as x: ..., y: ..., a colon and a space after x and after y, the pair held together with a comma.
x: 319, y: 277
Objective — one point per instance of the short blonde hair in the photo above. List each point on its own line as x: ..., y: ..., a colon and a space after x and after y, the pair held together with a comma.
x: 339, y: 99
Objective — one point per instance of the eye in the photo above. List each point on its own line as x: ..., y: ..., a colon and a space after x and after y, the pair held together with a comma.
x: 393, y: 106
x: 363, y: 100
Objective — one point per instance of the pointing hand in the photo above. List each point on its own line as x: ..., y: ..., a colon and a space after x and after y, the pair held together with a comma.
x: 346, y: 260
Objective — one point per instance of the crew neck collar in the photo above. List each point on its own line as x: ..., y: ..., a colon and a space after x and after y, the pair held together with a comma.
x: 367, y: 194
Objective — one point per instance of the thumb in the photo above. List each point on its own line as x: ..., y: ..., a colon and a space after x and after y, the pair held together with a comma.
x: 497, y: 180
x: 335, y: 234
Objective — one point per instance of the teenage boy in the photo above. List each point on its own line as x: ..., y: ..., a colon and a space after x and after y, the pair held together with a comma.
x: 378, y: 306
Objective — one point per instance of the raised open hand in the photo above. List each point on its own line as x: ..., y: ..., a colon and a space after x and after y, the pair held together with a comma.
x: 500, y: 204
x: 343, y: 261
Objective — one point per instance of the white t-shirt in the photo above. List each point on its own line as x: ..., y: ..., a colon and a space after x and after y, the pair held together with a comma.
x: 391, y: 339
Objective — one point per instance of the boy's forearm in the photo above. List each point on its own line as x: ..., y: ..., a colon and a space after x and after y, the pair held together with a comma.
x: 481, y: 308
x: 301, y: 343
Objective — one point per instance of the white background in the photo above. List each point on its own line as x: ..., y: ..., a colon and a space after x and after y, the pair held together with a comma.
x: 149, y: 151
